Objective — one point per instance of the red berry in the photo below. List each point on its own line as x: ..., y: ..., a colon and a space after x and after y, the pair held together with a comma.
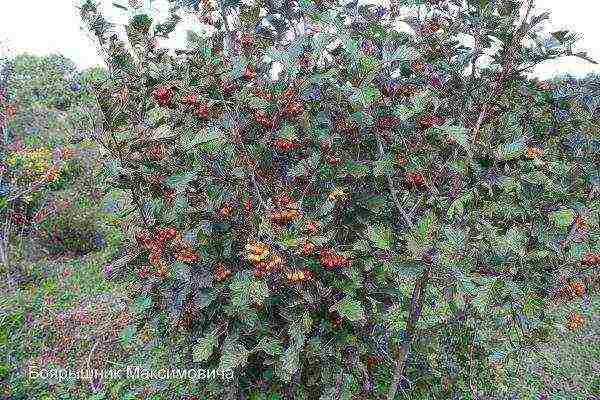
x: 201, y: 111
x: 249, y: 73
x: 190, y: 99
x: 386, y: 122
x: 227, y: 87
x: 284, y: 144
x: 246, y: 40
x: 162, y: 95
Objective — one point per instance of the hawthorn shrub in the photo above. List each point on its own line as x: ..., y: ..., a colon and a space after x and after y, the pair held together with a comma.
x: 382, y: 214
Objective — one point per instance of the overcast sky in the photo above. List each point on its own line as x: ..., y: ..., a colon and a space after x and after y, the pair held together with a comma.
x: 42, y: 27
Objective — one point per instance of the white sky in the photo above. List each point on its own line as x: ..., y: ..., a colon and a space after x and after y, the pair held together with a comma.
x: 47, y: 26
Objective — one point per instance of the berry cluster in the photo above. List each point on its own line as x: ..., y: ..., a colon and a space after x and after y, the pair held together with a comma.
x: 386, y: 123
x: 431, y: 26
x: 264, y: 268
x: 263, y: 119
x: 263, y: 94
x: 247, y: 206
x: 262, y: 259
x: 162, y: 95
x: 298, y: 276
x: 227, y: 87
x: 157, y: 153
x: 201, y: 111
x: 415, y: 179
x: 246, y: 40
x: 249, y: 73
x: 311, y: 227
x: 591, y: 260
x: 576, y: 289
x: 575, y: 321
x: 284, y: 144
x: 156, y: 246
x: 226, y: 210
x: 407, y: 90
x: 190, y: 100
x: 284, y: 216
x: 294, y: 110
x: 533, y: 152
x: 335, y: 319
x: 307, y: 248
x: 221, y: 273
x: 429, y: 121
x: 419, y: 67
x: 580, y: 223
x: 185, y: 253
x: 288, y: 209
x: 329, y: 259
x: 257, y: 252
x: 333, y: 160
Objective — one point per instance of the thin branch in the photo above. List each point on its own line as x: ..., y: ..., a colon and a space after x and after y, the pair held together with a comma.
x: 391, y: 185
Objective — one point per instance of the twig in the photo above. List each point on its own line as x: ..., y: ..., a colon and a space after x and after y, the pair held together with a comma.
x: 391, y: 185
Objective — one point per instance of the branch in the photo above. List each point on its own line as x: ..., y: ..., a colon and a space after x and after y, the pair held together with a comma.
x: 391, y: 185
x: 416, y: 305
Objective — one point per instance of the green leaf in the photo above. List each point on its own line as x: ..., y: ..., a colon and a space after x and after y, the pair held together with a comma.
x: 510, y: 151
x: 349, y: 308
x: 203, y: 349
x: 127, y: 334
x: 381, y: 236
x: 141, y: 304
x: 366, y: 95
x: 383, y: 166
x: 395, y: 318
x: 257, y: 102
x: 402, y: 53
x: 562, y: 218
x: 180, y: 180
x: 191, y: 138
x: 270, y: 345
x: 233, y: 355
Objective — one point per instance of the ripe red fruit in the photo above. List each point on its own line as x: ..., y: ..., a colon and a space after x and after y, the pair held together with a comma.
x: 227, y: 87
x: 157, y: 153
x: 162, y: 95
x: 429, y: 121
x: 226, y: 210
x: 247, y: 206
x: 261, y: 118
x: 331, y: 260
x: 590, y: 260
x: 201, y: 111
x: 191, y: 99
x: 415, y: 179
x: 249, y: 73
x: 386, y: 122
x: 311, y: 227
x: 294, y: 110
x: 284, y: 144
x: 282, y: 200
x: 246, y: 40
x: 333, y: 160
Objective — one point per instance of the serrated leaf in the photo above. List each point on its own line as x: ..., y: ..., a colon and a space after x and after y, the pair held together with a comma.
x: 562, y: 218
x: 349, y: 308
x: 180, y: 180
x: 270, y: 345
x: 380, y: 236
x: 233, y: 355
x: 203, y: 349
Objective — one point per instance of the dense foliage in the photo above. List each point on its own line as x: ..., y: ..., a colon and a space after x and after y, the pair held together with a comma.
x: 391, y: 199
